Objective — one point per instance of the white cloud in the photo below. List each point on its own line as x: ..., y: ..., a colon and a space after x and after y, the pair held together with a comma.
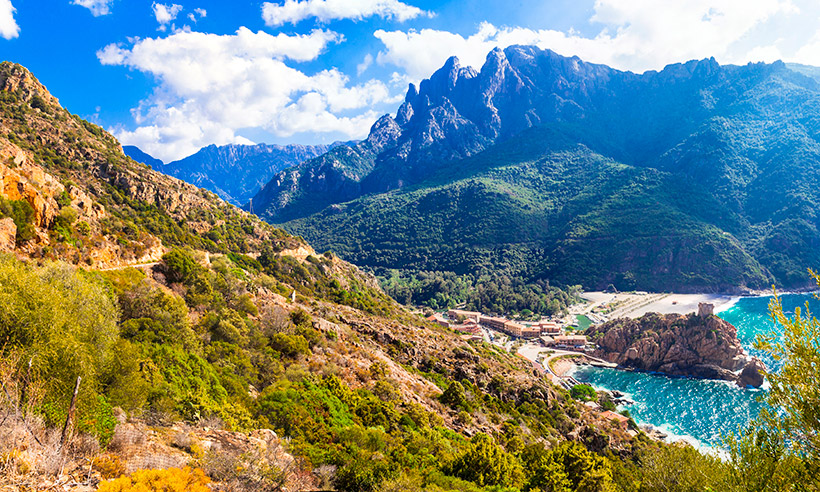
x: 97, y: 7
x: 165, y: 14
x: 197, y: 13
x: 211, y: 87
x: 8, y: 26
x: 365, y: 64
x: 636, y: 35
x: 293, y: 11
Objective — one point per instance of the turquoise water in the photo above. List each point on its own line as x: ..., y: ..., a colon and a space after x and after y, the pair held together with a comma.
x: 700, y: 409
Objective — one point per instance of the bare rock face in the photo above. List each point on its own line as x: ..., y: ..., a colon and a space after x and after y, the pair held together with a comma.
x: 679, y: 345
x: 8, y: 235
x: 22, y: 180
x: 752, y: 374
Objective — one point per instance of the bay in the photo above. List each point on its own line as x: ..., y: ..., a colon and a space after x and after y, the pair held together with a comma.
x: 701, y: 411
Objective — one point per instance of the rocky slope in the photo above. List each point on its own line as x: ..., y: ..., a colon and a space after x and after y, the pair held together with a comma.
x: 679, y: 345
x: 234, y: 172
x: 91, y: 204
x: 695, y: 145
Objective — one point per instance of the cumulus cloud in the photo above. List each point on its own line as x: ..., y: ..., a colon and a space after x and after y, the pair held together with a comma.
x: 97, y: 7
x: 165, y: 14
x: 293, y: 11
x: 211, y: 87
x: 635, y: 35
x: 8, y: 26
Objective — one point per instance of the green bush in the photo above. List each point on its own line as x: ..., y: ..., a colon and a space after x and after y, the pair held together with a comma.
x: 583, y: 392
x: 23, y: 215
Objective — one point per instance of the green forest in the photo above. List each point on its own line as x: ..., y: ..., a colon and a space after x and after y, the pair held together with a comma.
x: 488, y: 294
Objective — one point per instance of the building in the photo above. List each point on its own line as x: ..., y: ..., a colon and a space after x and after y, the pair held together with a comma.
x: 469, y: 327
x: 530, y: 332
x: 437, y: 318
x: 616, y: 418
x: 705, y: 309
x: 494, y: 323
x: 548, y: 327
x: 455, y: 314
x: 510, y: 327
x: 578, y: 341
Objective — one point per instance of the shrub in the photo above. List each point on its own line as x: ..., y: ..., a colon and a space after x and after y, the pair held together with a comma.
x: 486, y: 463
x: 23, y: 216
x: 179, y: 266
x: 289, y: 345
x: 583, y: 392
x: 170, y: 480
x: 60, y: 319
x: 109, y: 466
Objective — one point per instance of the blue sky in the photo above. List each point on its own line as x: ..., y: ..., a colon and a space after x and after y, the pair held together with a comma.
x: 171, y: 77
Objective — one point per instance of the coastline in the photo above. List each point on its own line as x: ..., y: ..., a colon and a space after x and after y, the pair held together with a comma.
x: 563, y: 366
x: 635, y: 305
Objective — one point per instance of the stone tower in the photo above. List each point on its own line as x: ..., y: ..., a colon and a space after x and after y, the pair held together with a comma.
x: 705, y: 309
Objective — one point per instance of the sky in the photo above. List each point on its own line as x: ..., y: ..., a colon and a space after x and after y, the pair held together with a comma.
x: 173, y: 77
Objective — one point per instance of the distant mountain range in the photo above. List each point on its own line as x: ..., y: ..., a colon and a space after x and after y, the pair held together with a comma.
x: 234, y: 172
x: 696, y: 177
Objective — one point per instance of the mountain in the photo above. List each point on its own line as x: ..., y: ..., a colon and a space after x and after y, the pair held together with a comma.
x: 696, y: 177
x: 191, y: 333
x: 138, y: 155
x: 237, y: 172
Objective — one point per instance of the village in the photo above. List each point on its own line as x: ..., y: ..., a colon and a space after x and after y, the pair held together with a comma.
x: 473, y: 324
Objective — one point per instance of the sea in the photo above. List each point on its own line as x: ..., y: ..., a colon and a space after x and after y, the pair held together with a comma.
x: 702, y: 412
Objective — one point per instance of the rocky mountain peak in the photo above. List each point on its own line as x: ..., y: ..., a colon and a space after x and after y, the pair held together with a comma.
x: 385, y: 131
x: 17, y: 80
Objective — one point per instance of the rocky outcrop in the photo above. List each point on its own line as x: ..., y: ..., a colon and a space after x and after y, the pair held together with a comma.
x: 22, y: 180
x: 8, y: 235
x: 679, y: 345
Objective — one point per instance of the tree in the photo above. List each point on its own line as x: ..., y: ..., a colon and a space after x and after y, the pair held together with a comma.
x: 486, y: 463
x: 583, y: 392
x: 781, y: 449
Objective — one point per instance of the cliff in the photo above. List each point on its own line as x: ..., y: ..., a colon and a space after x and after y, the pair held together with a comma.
x: 678, y: 345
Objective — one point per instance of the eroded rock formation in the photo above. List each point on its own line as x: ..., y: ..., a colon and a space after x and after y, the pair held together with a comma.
x: 679, y: 345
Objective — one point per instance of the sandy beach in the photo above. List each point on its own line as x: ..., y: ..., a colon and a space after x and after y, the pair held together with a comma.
x: 635, y: 305
x: 562, y: 366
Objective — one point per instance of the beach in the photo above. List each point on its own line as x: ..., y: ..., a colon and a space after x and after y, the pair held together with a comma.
x: 635, y: 305
x: 563, y: 365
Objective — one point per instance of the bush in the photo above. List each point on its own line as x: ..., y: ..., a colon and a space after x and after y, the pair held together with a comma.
x: 486, y: 463
x: 23, y: 216
x: 60, y: 319
x: 179, y: 266
x: 289, y: 345
x: 583, y: 392
x: 170, y: 480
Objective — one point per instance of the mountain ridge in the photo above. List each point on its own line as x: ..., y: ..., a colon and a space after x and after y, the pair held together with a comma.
x: 730, y: 133
x: 235, y: 172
